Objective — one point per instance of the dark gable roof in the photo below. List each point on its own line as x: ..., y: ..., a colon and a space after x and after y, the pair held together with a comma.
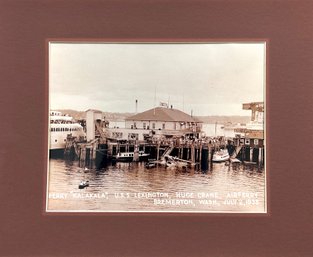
x: 163, y: 114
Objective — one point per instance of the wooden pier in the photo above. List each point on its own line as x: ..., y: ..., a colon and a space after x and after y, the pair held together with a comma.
x: 198, y: 152
x: 102, y: 149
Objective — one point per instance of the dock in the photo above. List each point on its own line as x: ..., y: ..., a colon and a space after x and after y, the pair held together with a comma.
x: 197, y: 152
x: 100, y: 148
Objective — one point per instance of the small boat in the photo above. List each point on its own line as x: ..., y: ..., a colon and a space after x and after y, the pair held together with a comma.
x: 129, y: 156
x: 171, y: 162
x: 221, y: 156
x: 150, y: 165
x: 83, y: 184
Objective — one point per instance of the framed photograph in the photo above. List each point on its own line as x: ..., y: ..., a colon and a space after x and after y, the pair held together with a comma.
x: 156, y: 127
x: 226, y: 80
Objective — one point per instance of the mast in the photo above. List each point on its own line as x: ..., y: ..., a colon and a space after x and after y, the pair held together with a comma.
x: 154, y: 100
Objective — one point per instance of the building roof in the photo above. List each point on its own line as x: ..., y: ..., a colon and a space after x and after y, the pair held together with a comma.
x: 163, y: 114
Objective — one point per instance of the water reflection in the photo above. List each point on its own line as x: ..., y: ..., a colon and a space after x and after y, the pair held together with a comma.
x: 132, y: 178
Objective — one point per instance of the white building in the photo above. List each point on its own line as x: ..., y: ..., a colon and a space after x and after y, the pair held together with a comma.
x: 91, y: 117
x: 159, y: 121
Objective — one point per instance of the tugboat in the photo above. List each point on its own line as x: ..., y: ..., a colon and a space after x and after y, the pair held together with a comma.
x: 83, y: 184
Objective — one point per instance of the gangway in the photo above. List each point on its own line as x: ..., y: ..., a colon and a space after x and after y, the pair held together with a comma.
x: 168, y: 151
x: 236, y: 152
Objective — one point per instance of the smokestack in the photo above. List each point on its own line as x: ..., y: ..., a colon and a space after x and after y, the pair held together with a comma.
x: 136, y: 106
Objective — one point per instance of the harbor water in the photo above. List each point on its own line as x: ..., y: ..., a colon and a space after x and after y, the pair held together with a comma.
x: 131, y: 187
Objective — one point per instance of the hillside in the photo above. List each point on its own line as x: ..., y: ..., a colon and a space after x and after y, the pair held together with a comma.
x: 78, y: 115
x: 112, y: 116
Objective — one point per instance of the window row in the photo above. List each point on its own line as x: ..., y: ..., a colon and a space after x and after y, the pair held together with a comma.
x: 65, y: 129
x: 173, y: 125
x: 61, y: 122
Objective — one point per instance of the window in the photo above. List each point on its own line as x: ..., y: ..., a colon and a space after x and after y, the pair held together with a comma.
x: 256, y: 142
x: 117, y: 134
x: 132, y: 136
x: 163, y: 126
x: 135, y: 126
x: 153, y: 125
x: 174, y: 125
x: 144, y: 125
x: 247, y: 141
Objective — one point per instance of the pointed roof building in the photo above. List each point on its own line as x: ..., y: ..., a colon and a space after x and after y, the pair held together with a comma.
x: 163, y: 114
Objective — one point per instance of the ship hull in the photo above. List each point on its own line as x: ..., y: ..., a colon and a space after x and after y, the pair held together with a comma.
x: 129, y: 157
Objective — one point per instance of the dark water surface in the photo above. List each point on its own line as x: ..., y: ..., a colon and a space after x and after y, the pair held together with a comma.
x: 132, y: 187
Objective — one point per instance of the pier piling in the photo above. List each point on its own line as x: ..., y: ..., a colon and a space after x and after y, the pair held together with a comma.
x: 196, y: 152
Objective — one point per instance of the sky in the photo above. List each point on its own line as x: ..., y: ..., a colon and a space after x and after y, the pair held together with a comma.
x: 205, y: 79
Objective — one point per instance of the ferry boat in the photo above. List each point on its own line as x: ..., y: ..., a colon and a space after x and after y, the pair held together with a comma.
x: 221, y: 156
x: 129, y: 156
x: 60, y: 127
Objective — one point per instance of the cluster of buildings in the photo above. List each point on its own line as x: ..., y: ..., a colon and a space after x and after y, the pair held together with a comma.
x: 159, y: 122
x: 161, y: 126
x: 168, y: 122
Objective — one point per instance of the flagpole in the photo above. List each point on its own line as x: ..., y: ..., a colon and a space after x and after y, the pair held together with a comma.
x: 154, y: 100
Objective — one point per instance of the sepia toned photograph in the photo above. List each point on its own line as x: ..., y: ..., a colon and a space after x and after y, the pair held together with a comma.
x: 156, y: 127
